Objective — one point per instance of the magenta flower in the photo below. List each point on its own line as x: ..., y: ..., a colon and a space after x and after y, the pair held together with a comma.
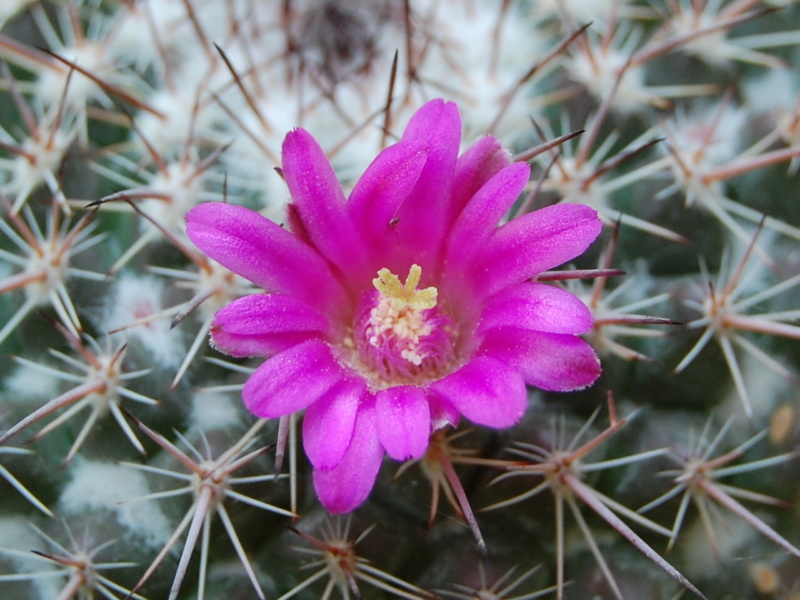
x: 391, y: 313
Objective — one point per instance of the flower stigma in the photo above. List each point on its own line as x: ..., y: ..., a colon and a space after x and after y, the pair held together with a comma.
x: 403, y: 335
x: 400, y: 311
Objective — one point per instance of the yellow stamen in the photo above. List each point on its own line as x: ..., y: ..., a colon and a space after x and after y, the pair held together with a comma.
x: 389, y: 286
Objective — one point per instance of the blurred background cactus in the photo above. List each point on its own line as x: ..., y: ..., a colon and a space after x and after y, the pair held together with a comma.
x: 127, y: 462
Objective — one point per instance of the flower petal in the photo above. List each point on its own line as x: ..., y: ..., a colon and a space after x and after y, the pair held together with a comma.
x: 328, y: 423
x: 539, y: 307
x: 443, y: 413
x: 533, y: 243
x: 319, y: 200
x: 486, y: 391
x: 477, y: 165
x: 550, y: 361
x: 385, y: 185
x: 263, y: 252
x: 347, y: 485
x: 483, y: 212
x: 428, y: 212
x: 403, y: 421
x: 263, y: 324
x: 291, y: 380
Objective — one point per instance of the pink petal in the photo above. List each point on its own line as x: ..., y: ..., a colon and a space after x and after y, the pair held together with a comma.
x: 328, y: 423
x: 550, y: 361
x: 403, y: 421
x: 539, y: 307
x: 291, y: 380
x: 385, y: 185
x: 263, y: 252
x: 477, y: 165
x: 319, y: 200
x: 443, y: 413
x: 347, y: 485
x: 483, y: 212
x: 486, y: 391
x: 263, y: 324
x: 429, y: 211
x: 533, y: 243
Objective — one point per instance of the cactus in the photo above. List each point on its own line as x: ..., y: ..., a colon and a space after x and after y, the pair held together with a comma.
x: 130, y: 467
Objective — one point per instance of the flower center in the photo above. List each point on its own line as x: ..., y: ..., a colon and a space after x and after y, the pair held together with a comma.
x: 400, y: 313
x: 402, y: 335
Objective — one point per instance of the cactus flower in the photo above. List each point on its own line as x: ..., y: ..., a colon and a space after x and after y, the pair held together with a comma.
x: 391, y: 313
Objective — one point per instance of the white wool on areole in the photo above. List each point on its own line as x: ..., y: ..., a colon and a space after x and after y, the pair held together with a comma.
x: 99, y: 485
